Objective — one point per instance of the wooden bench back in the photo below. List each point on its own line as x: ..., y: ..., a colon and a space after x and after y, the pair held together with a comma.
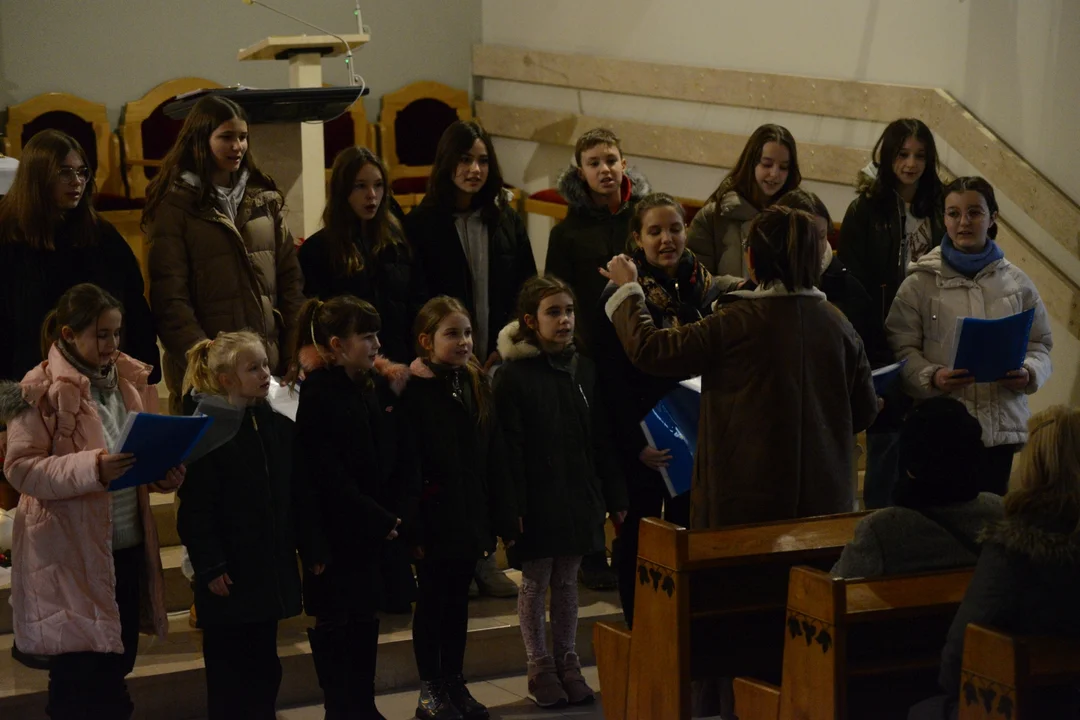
x: 1002, y: 674
x: 708, y: 602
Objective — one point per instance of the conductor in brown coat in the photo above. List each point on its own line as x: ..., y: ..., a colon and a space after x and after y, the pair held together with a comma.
x: 785, y: 381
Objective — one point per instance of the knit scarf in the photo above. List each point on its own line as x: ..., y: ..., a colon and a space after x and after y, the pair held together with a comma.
x: 102, y: 380
x: 667, y: 294
x: 970, y: 264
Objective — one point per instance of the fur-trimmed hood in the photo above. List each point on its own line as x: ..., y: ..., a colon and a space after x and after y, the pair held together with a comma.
x: 511, y: 350
x: 734, y: 206
x: 396, y: 374
x: 575, y: 190
x: 1028, y: 538
x: 12, y: 401
x: 866, y: 178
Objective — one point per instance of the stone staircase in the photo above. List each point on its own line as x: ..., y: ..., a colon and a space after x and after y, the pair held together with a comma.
x: 168, y: 682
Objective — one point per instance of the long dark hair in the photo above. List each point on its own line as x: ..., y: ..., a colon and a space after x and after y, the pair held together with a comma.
x: 455, y: 142
x: 532, y: 293
x: 977, y: 184
x: 28, y: 213
x: 785, y: 248
x: 340, y: 222
x: 319, y: 321
x: 741, y: 178
x: 191, y: 153
x: 78, y: 308
x: 928, y: 194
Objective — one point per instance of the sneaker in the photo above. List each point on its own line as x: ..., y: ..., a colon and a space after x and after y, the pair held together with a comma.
x: 544, y: 684
x: 577, y: 690
x: 467, y: 705
x: 435, y: 704
x: 492, y: 581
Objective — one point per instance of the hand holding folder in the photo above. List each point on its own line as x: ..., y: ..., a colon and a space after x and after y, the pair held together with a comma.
x: 992, y: 349
x: 154, y: 446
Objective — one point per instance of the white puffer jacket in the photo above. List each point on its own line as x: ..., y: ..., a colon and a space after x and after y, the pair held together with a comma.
x: 922, y: 323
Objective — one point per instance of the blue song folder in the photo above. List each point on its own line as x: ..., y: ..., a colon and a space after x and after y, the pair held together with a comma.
x: 159, y: 443
x: 672, y: 425
x: 884, y: 377
x: 989, y: 349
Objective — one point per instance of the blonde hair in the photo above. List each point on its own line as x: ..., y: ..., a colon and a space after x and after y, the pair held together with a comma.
x: 1050, y: 468
x: 208, y: 359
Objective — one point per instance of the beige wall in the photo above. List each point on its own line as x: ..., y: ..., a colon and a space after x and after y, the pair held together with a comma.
x: 1014, y: 65
x: 113, y: 51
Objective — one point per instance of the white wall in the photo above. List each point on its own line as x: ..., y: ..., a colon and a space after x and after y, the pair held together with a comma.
x: 113, y: 51
x: 1015, y: 65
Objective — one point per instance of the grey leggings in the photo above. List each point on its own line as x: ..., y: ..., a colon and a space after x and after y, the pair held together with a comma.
x: 560, y: 574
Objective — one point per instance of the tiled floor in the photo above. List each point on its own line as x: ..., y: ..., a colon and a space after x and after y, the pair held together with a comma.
x: 507, y: 698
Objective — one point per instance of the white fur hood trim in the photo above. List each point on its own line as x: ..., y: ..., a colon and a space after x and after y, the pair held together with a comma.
x: 776, y: 289
x: 510, y: 350
x: 621, y: 295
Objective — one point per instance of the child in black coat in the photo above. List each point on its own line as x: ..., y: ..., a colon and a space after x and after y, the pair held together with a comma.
x: 466, y: 499
x: 355, y: 460
x: 240, y: 521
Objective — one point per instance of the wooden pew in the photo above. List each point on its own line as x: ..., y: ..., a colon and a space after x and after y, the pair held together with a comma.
x: 1005, y: 677
x: 885, y: 633
x: 709, y: 603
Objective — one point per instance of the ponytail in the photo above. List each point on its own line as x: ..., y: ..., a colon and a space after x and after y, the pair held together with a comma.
x: 319, y: 321
x: 785, y: 248
x: 208, y: 360
x: 50, y: 333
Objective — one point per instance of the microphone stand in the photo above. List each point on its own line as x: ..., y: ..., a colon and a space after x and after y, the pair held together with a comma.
x: 348, y: 50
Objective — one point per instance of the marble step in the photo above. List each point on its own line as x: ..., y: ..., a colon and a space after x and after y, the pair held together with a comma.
x: 168, y: 682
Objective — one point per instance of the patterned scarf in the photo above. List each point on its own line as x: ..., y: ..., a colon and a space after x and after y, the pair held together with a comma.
x: 102, y: 380
x: 680, y: 299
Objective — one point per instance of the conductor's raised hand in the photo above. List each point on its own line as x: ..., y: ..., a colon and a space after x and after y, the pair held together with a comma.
x: 620, y: 270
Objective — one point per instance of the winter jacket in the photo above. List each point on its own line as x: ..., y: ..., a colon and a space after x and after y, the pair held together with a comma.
x: 432, y: 233
x: 898, y: 540
x: 392, y: 281
x: 587, y: 239
x: 62, y: 586
x: 922, y: 325
x: 559, y: 448
x: 210, y: 275
x: 716, y: 236
x: 238, y: 515
x: 1027, y: 582
x: 627, y: 393
x: 468, y: 496
x: 354, y: 459
x: 785, y: 387
x: 35, y: 279
x: 870, y: 243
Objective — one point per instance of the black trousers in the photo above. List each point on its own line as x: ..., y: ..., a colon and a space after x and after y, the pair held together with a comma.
x: 243, y: 672
x: 441, y: 619
x: 646, y: 500
x: 997, y: 466
x: 90, y: 685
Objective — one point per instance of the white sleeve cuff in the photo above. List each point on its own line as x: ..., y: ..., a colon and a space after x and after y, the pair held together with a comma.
x: 621, y: 295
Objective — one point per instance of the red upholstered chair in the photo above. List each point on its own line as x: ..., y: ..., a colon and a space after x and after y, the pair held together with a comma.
x: 147, y: 134
x: 410, y: 124
x: 546, y: 202
x: 83, y: 120
x: 347, y: 130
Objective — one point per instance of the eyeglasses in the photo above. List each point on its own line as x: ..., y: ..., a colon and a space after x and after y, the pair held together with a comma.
x: 70, y: 175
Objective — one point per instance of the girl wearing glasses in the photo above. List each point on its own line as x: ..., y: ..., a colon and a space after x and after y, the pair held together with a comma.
x: 221, y: 256
x: 51, y: 240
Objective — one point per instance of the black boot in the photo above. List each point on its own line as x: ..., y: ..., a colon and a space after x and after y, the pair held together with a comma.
x: 363, y: 651
x: 469, y: 707
x: 435, y: 704
x: 328, y: 653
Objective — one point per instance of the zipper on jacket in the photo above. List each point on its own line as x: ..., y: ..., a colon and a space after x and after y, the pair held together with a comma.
x: 273, y: 522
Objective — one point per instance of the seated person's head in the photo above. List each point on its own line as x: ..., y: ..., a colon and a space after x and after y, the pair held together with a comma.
x: 1050, y: 471
x: 941, y: 455
x: 782, y: 247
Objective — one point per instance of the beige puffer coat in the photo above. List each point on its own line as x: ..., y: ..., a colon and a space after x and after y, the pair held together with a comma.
x: 922, y: 324
x: 716, y: 235
x: 210, y: 275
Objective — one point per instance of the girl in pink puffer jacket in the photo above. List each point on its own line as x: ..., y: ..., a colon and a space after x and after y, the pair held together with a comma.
x: 84, y: 560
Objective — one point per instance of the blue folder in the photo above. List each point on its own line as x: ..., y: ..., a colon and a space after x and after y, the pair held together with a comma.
x: 884, y: 377
x: 159, y: 443
x: 989, y: 349
x: 672, y: 425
